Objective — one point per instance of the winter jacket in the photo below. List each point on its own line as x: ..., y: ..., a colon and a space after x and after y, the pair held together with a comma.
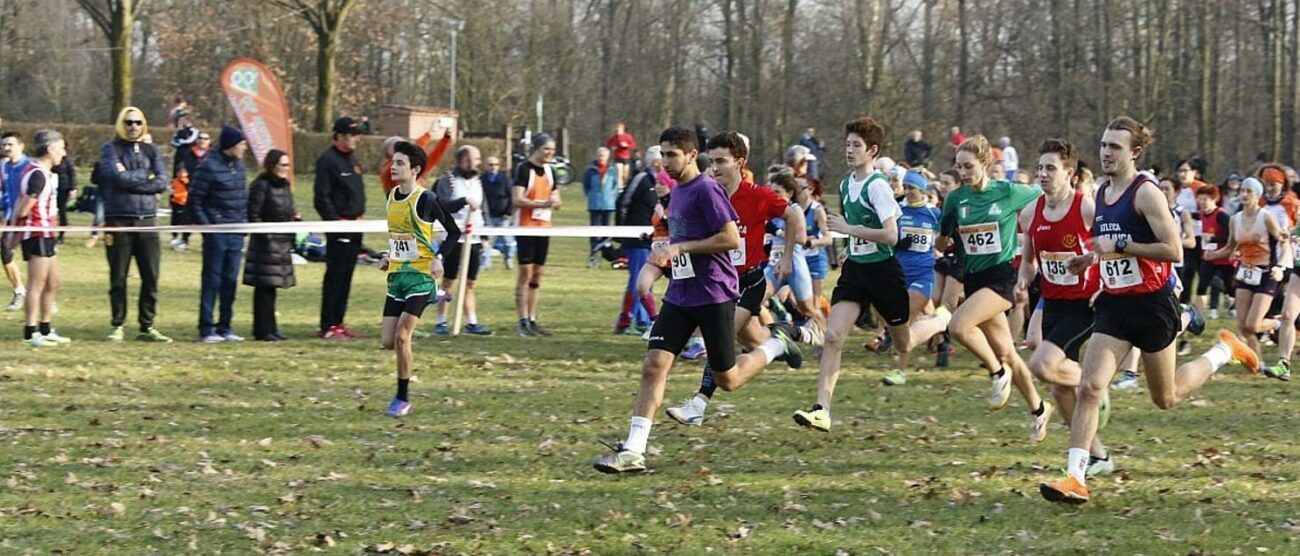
x: 218, y: 191
x: 916, y: 153
x: 601, y: 189
x: 131, y: 193
x: 636, y: 207
x: 339, y: 192
x: 496, y: 192
x: 269, y: 261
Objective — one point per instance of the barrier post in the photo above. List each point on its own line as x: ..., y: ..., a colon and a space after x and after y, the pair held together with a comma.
x: 462, y: 272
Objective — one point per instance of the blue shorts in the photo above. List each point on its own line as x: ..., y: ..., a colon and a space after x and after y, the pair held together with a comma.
x: 799, y: 280
x: 818, y: 266
x: 919, y: 280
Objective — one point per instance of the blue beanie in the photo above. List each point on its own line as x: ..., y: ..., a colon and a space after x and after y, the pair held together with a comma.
x: 230, y: 136
x: 915, y: 179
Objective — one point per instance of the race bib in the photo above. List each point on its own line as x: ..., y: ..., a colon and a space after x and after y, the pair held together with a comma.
x: 682, y: 267
x: 738, y: 254
x: 922, y: 239
x: 1250, y: 275
x: 1119, y: 271
x: 402, y: 247
x: 859, y: 246
x: 981, y: 239
x: 1209, y: 245
x: 1055, y: 269
x: 542, y: 214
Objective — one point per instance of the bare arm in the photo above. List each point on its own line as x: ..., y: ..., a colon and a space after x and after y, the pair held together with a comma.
x: 825, y: 240
x: 1029, y: 257
x: 887, y: 234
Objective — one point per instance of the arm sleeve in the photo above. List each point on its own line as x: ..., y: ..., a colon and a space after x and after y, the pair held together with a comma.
x: 72, y: 174
x: 256, y: 198
x: 321, y: 190
x: 442, y: 190
x: 131, y: 181
x: 35, y: 184
x: 159, y: 182
x: 435, y: 156
x: 433, y: 211
x: 882, y: 200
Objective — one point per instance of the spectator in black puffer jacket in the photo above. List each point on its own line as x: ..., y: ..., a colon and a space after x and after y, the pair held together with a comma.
x: 219, y: 195
x: 269, y: 265
x: 130, y: 174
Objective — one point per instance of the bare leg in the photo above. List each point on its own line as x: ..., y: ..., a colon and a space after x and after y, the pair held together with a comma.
x: 402, y: 344
x: 654, y: 375
x: 999, y: 337
x: 14, y: 275
x: 38, y: 269
x: 965, y: 325
x: 838, y: 327
x: 1102, y: 357
x: 1034, y: 336
x: 1286, y: 328
x: 535, y: 291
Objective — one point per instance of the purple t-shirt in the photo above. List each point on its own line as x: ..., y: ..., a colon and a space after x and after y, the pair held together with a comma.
x: 697, y: 210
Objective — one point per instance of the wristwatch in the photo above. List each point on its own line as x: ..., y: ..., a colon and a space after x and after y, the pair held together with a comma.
x: 1121, y: 244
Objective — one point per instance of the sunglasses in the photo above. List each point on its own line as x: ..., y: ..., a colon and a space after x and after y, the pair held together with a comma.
x: 133, y: 122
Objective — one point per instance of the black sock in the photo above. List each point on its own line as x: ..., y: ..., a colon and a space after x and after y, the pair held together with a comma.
x: 1095, y: 458
x: 1042, y: 406
x: 28, y: 331
x: 403, y: 384
x: 1000, y: 372
x: 707, y: 387
x: 817, y: 406
x: 45, y: 328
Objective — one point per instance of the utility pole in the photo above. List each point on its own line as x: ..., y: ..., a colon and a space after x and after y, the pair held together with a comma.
x: 456, y: 26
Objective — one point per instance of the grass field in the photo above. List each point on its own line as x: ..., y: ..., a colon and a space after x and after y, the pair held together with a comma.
x: 139, y: 448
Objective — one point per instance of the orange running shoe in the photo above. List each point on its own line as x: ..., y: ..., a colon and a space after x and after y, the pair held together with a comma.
x: 1068, y: 490
x: 1241, y: 353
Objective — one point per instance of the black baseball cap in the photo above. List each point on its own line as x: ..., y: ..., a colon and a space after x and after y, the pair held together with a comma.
x: 347, y: 125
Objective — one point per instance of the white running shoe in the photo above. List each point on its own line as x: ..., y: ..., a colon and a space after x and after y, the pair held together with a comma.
x: 39, y: 341
x: 56, y: 338
x: 690, y: 412
x: 1000, y: 390
x: 1099, y: 466
x: 1128, y: 381
x: 1038, y: 428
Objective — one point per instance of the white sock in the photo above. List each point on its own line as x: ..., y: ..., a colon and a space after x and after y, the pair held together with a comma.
x: 638, y: 435
x: 442, y: 319
x: 1218, y: 355
x: 471, y: 318
x: 20, y: 290
x: 1078, y: 466
x: 772, y: 348
x: 805, y: 335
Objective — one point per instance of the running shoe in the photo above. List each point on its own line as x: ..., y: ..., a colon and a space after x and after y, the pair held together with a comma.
x: 39, y: 341
x: 347, y: 332
x: 695, y: 351
x: 56, y: 338
x: 17, y: 301
x: 420, y: 334
x: 1184, y: 347
x: 1127, y: 381
x: 477, y: 329
x: 690, y: 412
x: 232, y: 337
x: 537, y: 330
x: 117, y: 334
x: 895, y: 377
x: 812, y: 334
x: 180, y: 247
x: 211, y: 339
x: 1195, y: 321
x: 398, y: 408
x: 999, y: 390
x: 816, y: 418
x: 442, y: 329
x: 1212, y: 314
x: 152, y: 335
x: 793, y: 353
x: 881, y: 344
x: 1098, y: 466
x: 646, y: 335
x: 621, y: 461
x: 1038, y: 427
x: 1241, y: 353
x: 1280, y: 371
x: 524, y: 330
x: 1068, y: 490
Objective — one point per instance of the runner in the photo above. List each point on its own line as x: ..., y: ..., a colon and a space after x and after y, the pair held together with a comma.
x: 15, y: 164
x: 818, y: 242
x: 1258, y: 236
x: 981, y: 214
x: 703, y: 292
x: 757, y: 207
x: 1057, y: 229
x: 1214, y: 232
x: 793, y: 272
x: 1135, y: 241
x: 535, y: 197
x: 36, y: 207
x: 411, y: 261
x: 1277, y: 197
x: 871, y: 275
x: 948, y: 288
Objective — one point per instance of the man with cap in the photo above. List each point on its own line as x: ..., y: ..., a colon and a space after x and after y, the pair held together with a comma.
x: 339, y: 194
x: 219, y: 195
x: 130, y: 175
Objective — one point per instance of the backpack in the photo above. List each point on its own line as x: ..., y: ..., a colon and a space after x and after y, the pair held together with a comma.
x: 312, y: 247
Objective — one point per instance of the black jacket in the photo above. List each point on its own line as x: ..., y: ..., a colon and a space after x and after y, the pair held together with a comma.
x: 133, y: 192
x: 636, y: 207
x: 916, y: 153
x: 218, y: 191
x: 496, y: 193
x: 269, y: 261
x: 67, y: 172
x: 339, y: 191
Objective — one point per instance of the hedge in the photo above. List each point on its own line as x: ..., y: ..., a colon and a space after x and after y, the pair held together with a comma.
x: 84, y: 141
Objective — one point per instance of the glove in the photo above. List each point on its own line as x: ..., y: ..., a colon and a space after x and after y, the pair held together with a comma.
x: 904, y: 243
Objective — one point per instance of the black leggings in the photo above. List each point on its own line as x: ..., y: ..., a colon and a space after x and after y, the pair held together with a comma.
x: 1187, y: 272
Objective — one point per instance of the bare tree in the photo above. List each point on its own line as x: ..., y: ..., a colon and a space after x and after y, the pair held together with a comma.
x: 116, y: 19
x: 326, y: 19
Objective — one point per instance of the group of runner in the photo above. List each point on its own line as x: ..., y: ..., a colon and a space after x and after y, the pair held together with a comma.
x: 1101, y: 266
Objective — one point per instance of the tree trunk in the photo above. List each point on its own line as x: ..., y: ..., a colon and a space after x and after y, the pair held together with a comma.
x: 326, y: 51
x: 729, y: 76
x: 1276, y: 30
x: 927, y: 61
x: 120, y: 35
x: 787, y: 67
x: 963, y: 59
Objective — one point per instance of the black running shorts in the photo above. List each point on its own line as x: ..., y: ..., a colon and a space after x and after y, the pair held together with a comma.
x: 1150, y: 321
x: 879, y: 284
x: 717, y: 323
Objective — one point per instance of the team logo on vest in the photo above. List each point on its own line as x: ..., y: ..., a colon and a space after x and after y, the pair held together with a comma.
x: 994, y: 210
x: 1070, y: 240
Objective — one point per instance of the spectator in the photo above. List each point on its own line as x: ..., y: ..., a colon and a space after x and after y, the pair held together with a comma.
x: 131, y: 174
x: 816, y: 151
x: 636, y: 207
x: 957, y: 138
x: 187, y: 160
x: 1230, y: 193
x: 219, y: 195
x: 620, y: 145
x: 702, y: 136
x: 186, y: 134
x: 460, y: 193
x: 496, y: 193
x: 600, y: 185
x: 269, y: 266
x: 16, y: 164
x: 339, y: 194
x: 435, y: 130
x: 66, y: 170
x: 178, y: 108
x: 1010, y: 158
x: 916, y: 151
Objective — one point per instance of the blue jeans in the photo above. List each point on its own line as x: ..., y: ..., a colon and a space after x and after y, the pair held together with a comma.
x: 600, y: 218
x: 221, y: 256
x: 638, y: 313
x: 504, y: 244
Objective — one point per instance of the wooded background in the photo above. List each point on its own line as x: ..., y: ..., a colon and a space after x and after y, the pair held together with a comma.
x: 1211, y: 78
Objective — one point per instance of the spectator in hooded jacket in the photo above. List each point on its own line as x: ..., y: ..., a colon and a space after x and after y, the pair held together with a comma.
x: 269, y: 265
x: 219, y: 195
x: 130, y: 174
x: 600, y: 184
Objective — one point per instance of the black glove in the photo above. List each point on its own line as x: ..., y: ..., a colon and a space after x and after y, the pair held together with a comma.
x: 903, y: 243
